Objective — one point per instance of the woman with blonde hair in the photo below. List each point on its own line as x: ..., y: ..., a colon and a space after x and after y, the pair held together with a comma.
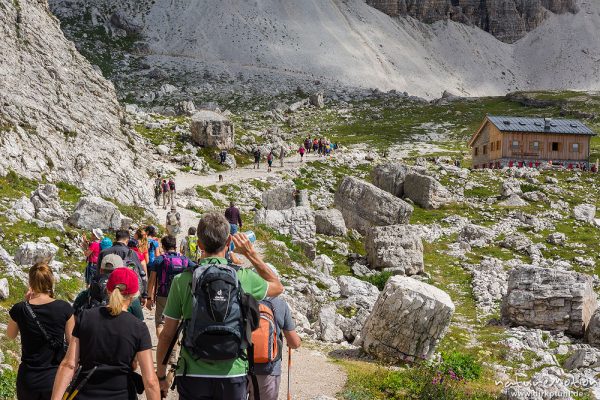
x: 44, y: 323
x: 106, y: 343
x: 142, y: 239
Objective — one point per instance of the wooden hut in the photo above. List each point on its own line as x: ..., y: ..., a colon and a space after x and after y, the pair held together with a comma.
x: 530, y: 142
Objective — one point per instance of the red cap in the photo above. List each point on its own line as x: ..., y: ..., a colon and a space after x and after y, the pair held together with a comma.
x: 125, y: 277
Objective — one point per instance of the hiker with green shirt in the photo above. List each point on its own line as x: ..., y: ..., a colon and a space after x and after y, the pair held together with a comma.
x: 214, y: 367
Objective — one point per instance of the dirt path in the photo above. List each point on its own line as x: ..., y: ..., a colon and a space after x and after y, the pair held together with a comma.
x: 312, y: 372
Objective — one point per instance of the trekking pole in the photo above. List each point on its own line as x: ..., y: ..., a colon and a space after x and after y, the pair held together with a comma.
x: 289, y: 396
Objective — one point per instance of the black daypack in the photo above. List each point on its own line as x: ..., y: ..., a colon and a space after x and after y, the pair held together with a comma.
x: 130, y: 262
x: 97, y: 294
x: 223, y: 316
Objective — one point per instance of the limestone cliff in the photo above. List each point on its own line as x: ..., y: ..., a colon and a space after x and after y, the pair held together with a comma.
x: 59, y: 117
x: 508, y: 20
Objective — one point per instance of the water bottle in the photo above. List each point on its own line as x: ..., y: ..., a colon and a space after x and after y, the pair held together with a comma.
x: 251, y: 237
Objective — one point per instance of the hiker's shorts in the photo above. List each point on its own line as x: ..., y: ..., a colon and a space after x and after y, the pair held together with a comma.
x: 191, y: 388
x: 159, y: 319
x: 268, y: 386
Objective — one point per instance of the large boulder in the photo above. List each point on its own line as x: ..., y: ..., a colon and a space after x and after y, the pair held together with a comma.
x: 298, y: 222
x: 408, y: 320
x: 395, y: 248
x: 330, y: 222
x: 356, y: 303
x: 47, y: 205
x: 426, y: 191
x: 390, y: 177
x: 476, y: 235
x: 585, y: 212
x: 211, y: 129
x: 280, y: 197
x: 23, y: 209
x: 549, y: 299
x: 30, y: 253
x: 511, y: 187
x: 592, y: 333
x: 93, y: 212
x: 364, y: 205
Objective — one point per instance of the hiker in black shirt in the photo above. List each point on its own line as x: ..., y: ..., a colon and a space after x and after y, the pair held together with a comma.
x: 41, y: 353
x: 112, y: 340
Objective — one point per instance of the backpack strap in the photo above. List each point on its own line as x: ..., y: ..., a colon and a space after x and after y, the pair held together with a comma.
x: 252, y: 373
x: 48, y: 338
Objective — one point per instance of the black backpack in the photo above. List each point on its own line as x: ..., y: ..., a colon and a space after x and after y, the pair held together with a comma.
x: 223, y: 316
x: 130, y: 262
x: 97, y: 294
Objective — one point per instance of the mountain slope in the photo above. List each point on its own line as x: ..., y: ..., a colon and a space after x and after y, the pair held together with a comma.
x: 59, y: 118
x: 349, y: 43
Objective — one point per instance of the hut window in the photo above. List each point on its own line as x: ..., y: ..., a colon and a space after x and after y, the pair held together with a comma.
x: 485, y: 149
x: 575, y: 148
x: 498, y: 145
x: 515, y: 145
x: 476, y: 151
x: 492, y: 147
x: 555, y: 146
x: 534, y: 146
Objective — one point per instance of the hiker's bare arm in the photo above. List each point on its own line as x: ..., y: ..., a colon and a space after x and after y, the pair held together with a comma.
x: 148, y: 376
x: 12, y: 330
x: 87, y: 252
x: 66, y: 370
x: 69, y: 329
x: 166, y: 336
x: 151, y: 283
x: 235, y: 259
x: 245, y: 248
x: 292, y: 339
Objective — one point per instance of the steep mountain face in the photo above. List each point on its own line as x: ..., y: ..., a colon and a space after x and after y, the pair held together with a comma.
x: 508, y: 20
x: 59, y: 118
x: 333, y: 44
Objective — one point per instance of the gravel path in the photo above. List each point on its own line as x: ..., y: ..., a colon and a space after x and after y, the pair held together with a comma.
x: 312, y: 372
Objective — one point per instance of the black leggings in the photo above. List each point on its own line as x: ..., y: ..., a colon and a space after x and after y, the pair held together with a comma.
x: 24, y: 394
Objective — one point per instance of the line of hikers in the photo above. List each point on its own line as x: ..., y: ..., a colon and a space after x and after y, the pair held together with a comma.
x: 164, y: 188
x: 226, y: 322
x: 321, y: 146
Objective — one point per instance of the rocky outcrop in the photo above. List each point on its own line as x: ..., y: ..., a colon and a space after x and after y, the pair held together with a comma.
x: 426, y: 191
x: 59, y: 117
x: 30, y: 253
x: 408, y: 320
x: 298, y: 222
x: 93, y: 212
x: 330, y: 222
x: 364, y: 205
x: 584, y: 212
x: 395, y: 248
x: 592, y: 333
x: 549, y: 299
x: 508, y: 20
x: 46, y: 204
x: 211, y: 129
x: 390, y: 177
x: 280, y: 197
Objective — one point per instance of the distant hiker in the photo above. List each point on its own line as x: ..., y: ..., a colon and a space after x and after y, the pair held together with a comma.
x: 315, y: 145
x: 320, y: 147
x: 157, y: 189
x: 173, y: 223
x: 130, y: 259
x: 268, y: 344
x: 97, y: 296
x: 256, y: 158
x: 307, y: 144
x: 223, y: 156
x: 233, y: 216
x: 172, y: 191
x: 165, y: 193
x: 214, y: 366
x: 106, y: 341
x: 44, y: 324
x: 270, y: 161
x: 153, y: 244
x: 162, y: 272
x: 301, y: 151
x: 189, y: 245
x: 91, y: 250
x: 281, y: 156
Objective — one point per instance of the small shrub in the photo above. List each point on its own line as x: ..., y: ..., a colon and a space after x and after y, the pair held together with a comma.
x: 8, y: 385
x: 379, y: 280
x: 463, y: 366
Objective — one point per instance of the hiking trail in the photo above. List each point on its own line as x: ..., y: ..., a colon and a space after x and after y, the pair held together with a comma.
x: 313, y: 373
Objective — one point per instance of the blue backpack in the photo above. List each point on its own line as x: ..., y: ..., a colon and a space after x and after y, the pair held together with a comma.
x: 152, y: 246
x: 172, y: 265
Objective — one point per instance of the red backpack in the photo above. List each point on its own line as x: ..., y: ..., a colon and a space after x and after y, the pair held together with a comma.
x: 265, y: 339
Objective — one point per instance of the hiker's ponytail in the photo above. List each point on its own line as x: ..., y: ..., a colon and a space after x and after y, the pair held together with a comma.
x: 116, y: 301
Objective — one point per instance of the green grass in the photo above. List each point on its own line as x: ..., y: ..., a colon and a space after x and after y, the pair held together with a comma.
x: 15, y: 186
x: 68, y: 193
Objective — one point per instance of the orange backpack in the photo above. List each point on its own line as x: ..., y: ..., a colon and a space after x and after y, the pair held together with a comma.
x: 265, y: 338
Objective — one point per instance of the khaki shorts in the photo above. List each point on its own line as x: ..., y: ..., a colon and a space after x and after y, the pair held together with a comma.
x: 159, y: 319
x: 268, y: 386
